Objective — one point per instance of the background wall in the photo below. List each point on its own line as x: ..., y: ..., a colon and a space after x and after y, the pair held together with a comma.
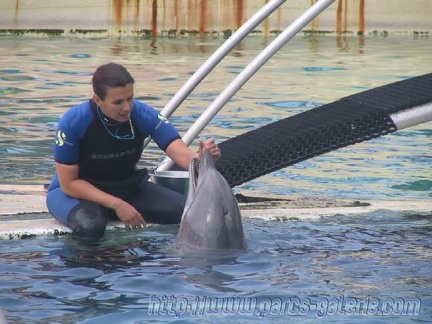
x: 83, y: 18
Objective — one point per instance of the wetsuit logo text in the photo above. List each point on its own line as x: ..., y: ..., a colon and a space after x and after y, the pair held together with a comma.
x: 106, y: 156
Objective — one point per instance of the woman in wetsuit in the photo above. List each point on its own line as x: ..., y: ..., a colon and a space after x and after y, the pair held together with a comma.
x: 97, y: 146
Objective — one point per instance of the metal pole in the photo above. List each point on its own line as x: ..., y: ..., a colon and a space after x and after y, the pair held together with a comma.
x: 217, y: 56
x: 249, y: 71
x: 412, y: 116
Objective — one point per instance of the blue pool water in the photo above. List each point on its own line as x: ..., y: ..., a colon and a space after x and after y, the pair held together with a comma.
x: 369, y: 269
x: 372, y: 268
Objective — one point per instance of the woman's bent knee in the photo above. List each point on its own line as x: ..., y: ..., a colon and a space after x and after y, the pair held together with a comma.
x: 88, y: 221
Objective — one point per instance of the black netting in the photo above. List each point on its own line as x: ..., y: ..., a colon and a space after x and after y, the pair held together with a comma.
x: 348, y: 121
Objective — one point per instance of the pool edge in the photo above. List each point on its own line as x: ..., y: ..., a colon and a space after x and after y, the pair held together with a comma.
x: 23, y: 212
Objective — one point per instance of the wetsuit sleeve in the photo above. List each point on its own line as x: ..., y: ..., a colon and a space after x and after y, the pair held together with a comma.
x: 152, y: 123
x: 69, y: 132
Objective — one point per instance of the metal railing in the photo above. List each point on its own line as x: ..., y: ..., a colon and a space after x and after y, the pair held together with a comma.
x: 246, y: 73
x: 217, y: 56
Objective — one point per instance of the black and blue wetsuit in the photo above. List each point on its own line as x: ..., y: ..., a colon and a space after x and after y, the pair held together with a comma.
x: 107, y: 153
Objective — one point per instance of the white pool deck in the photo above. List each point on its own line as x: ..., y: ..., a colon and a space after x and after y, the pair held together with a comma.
x: 23, y: 212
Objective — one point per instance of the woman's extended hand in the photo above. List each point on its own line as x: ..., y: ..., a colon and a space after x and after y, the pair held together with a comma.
x: 129, y: 215
x: 210, y: 146
x: 182, y: 154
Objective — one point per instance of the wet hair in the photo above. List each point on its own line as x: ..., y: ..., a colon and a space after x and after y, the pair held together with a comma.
x: 111, y: 75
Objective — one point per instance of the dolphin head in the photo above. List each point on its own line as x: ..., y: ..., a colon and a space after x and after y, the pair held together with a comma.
x: 211, y: 219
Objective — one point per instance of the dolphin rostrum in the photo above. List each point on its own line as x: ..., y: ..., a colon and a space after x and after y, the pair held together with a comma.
x: 211, y: 219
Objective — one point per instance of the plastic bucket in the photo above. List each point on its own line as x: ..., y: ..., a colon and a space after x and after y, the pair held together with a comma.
x: 174, y: 180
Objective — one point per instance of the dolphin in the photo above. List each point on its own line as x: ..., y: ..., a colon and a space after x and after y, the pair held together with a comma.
x: 211, y: 218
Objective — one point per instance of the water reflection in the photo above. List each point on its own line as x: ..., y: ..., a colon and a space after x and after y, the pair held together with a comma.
x: 209, y: 273
x: 112, y: 256
x: 162, y: 46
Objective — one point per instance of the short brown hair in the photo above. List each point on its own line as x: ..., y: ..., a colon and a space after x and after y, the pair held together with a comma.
x: 111, y: 75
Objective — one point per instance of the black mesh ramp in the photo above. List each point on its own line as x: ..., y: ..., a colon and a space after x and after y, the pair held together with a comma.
x: 348, y: 121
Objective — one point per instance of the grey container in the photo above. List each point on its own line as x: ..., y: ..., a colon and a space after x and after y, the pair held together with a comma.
x: 174, y: 180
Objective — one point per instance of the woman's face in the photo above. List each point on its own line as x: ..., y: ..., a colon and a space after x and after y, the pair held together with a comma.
x: 118, y: 102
